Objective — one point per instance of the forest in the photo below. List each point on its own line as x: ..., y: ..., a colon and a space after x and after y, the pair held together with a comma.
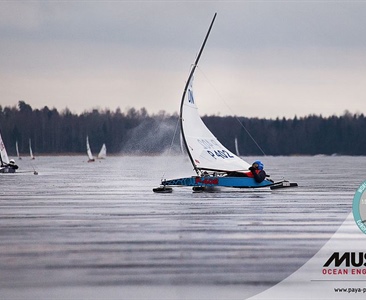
x: 136, y: 132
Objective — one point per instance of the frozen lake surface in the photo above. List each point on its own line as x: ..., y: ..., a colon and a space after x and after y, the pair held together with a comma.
x: 96, y: 230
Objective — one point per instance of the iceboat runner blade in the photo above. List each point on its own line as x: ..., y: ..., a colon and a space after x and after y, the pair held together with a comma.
x: 283, y: 184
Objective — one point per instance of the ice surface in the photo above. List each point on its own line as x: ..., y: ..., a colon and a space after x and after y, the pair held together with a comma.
x: 93, y: 230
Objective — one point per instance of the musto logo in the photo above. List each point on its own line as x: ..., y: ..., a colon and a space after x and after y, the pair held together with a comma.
x: 347, y: 263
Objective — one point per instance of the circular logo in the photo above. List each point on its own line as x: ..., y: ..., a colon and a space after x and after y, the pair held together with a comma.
x: 359, y: 207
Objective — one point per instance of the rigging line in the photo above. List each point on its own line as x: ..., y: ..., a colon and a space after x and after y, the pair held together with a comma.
x: 171, y: 144
x: 231, y: 111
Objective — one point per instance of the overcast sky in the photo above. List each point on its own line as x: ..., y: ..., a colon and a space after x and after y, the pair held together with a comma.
x: 263, y: 59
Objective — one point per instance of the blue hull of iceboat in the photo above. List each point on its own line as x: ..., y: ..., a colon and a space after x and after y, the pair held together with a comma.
x: 212, y: 181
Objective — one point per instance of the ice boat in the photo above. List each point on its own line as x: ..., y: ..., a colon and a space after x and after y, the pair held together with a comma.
x: 30, y: 150
x: 213, y: 163
x: 236, y: 147
x: 103, y: 152
x: 88, y: 151
x: 5, y: 165
x: 17, y: 150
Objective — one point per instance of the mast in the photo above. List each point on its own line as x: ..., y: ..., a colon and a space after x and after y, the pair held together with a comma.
x: 185, y: 91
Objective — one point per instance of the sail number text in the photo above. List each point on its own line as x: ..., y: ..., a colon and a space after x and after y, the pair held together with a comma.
x: 211, y: 146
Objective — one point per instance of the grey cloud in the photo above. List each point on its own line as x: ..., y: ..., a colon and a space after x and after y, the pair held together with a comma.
x: 240, y: 24
x: 129, y: 42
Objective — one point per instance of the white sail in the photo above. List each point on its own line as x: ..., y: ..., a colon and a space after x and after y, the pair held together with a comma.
x: 3, y: 153
x: 206, y: 152
x: 88, y: 151
x: 17, y: 149
x: 30, y: 150
x: 103, y: 152
x: 237, y: 147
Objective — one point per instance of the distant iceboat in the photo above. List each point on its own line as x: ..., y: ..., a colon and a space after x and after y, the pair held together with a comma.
x: 88, y: 151
x: 30, y: 150
x: 103, y: 152
x: 6, y: 165
x: 236, y: 147
x: 17, y: 149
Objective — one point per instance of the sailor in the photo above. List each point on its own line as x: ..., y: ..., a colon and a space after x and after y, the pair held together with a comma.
x: 12, y: 165
x: 257, y: 172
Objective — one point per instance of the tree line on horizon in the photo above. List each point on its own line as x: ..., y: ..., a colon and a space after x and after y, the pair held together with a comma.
x: 137, y: 132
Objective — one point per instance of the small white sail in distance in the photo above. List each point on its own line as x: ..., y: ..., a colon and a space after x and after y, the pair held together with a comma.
x: 88, y: 151
x: 236, y: 147
x: 30, y: 150
x: 3, y: 153
x: 205, y: 151
x: 17, y: 150
x: 103, y: 152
